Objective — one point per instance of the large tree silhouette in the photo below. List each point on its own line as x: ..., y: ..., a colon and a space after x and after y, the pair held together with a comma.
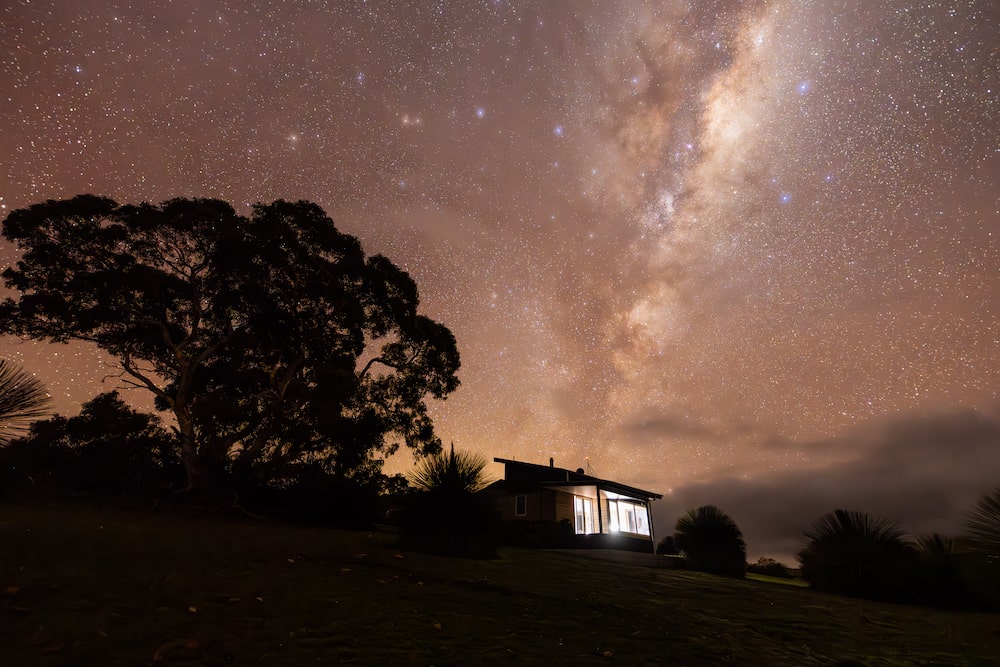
x: 270, y: 337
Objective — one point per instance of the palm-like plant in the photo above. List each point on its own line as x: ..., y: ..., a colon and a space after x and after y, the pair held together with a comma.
x: 940, y: 580
x: 447, y: 516
x: 711, y: 541
x: 856, y: 554
x: 451, y: 473
x: 983, y: 525
x: 935, y: 548
x: 23, y: 399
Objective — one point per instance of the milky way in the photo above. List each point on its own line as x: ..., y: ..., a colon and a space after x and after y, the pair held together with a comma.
x: 685, y: 242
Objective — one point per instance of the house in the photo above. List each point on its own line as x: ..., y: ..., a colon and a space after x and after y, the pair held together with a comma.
x: 550, y: 506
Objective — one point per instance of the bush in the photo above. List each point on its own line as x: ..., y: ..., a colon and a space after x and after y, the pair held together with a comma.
x: 308, y: 493
x: 711, y: 542
x: 450, y: 524
x: 666, y: 546
x: 108, y: 451
x: 770, y: 568
x: 983, y: 560
x: 852, y: 553
x: 446, y: 515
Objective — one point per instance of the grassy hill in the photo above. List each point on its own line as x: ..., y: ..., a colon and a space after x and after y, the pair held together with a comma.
x: 99, y: 587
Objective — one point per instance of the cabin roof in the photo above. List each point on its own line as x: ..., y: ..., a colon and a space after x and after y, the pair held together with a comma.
x: 553, y: 477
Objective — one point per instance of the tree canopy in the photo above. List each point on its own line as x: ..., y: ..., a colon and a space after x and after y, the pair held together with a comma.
x: 271, y: 338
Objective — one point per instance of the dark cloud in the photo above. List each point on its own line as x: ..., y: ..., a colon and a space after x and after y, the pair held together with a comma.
x: 923, y: 473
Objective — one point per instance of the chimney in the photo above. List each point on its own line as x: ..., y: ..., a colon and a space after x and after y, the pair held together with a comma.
x: 552, y: 462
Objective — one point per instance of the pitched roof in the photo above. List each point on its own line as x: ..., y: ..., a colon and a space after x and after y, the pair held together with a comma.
x: 553, y: 476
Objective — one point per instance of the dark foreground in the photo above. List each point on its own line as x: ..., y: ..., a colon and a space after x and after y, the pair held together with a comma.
x: 101, y: 587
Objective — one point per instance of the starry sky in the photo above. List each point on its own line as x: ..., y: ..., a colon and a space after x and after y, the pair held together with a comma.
x: 740, y: 253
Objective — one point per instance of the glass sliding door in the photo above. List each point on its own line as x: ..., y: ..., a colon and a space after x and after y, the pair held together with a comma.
x: 583, y: 511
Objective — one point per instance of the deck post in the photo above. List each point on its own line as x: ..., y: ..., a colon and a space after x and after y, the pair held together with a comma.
x: 600, y: 523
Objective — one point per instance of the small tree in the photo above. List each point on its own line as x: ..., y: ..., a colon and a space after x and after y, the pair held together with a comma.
x: 23, y: 399
x: 711, y: 542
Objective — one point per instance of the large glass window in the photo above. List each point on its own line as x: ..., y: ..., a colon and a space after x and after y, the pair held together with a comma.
x: 628, y: 517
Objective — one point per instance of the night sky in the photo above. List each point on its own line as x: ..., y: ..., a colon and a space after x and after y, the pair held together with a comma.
x: 740, y: 253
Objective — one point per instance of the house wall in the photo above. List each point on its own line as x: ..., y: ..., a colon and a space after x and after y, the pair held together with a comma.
x: 563, y: 505
x: 540, y: 505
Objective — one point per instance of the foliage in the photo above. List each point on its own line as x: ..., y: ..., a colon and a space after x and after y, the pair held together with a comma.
x: 311, y: 494
x: 446, y: 515
x: 711, y: 541
x: 983, y: 528
x: 939, y: 581
x: 769, y: 567
x: 855, y: 554
x: 451, y: 472
x: 983, y: 525
x: 270, y: 337
x: 666, y: 546
x: 108, y: 450
x: 23, y: 398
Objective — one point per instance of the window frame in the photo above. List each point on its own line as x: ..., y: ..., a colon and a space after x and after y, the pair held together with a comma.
x: 522, y: 501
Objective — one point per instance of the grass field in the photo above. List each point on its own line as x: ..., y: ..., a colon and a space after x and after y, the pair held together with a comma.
x: 99, y: 587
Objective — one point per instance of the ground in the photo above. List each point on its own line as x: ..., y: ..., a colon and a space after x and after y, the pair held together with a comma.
x: 83, y: 586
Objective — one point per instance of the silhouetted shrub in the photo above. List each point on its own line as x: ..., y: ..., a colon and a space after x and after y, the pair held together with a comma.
x: 309, y: 493
x: 451, y: 523
x: 982, y: 564
x: 855, y: 554
x: 23, y: 399
x: 666, y: 546
x: 446, y: 515
x: 711, y: 542
x: 108, y: 451
x: 769, y: 567
x: 939, y: 580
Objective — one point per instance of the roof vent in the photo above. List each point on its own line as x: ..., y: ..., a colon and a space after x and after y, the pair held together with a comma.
x: 580, y: 471
x: 552, y: 462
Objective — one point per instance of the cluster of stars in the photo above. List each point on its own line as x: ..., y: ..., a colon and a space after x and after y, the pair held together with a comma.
x: 781, y: 216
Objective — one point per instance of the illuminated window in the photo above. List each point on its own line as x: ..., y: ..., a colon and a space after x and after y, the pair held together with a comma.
x: 583, y: 512
x: 628, y: 517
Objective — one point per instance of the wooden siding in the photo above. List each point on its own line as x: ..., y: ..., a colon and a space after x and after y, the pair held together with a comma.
x: 564, y: 506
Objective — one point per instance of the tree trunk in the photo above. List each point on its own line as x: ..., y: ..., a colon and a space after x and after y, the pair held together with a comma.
x: 198, y: 477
